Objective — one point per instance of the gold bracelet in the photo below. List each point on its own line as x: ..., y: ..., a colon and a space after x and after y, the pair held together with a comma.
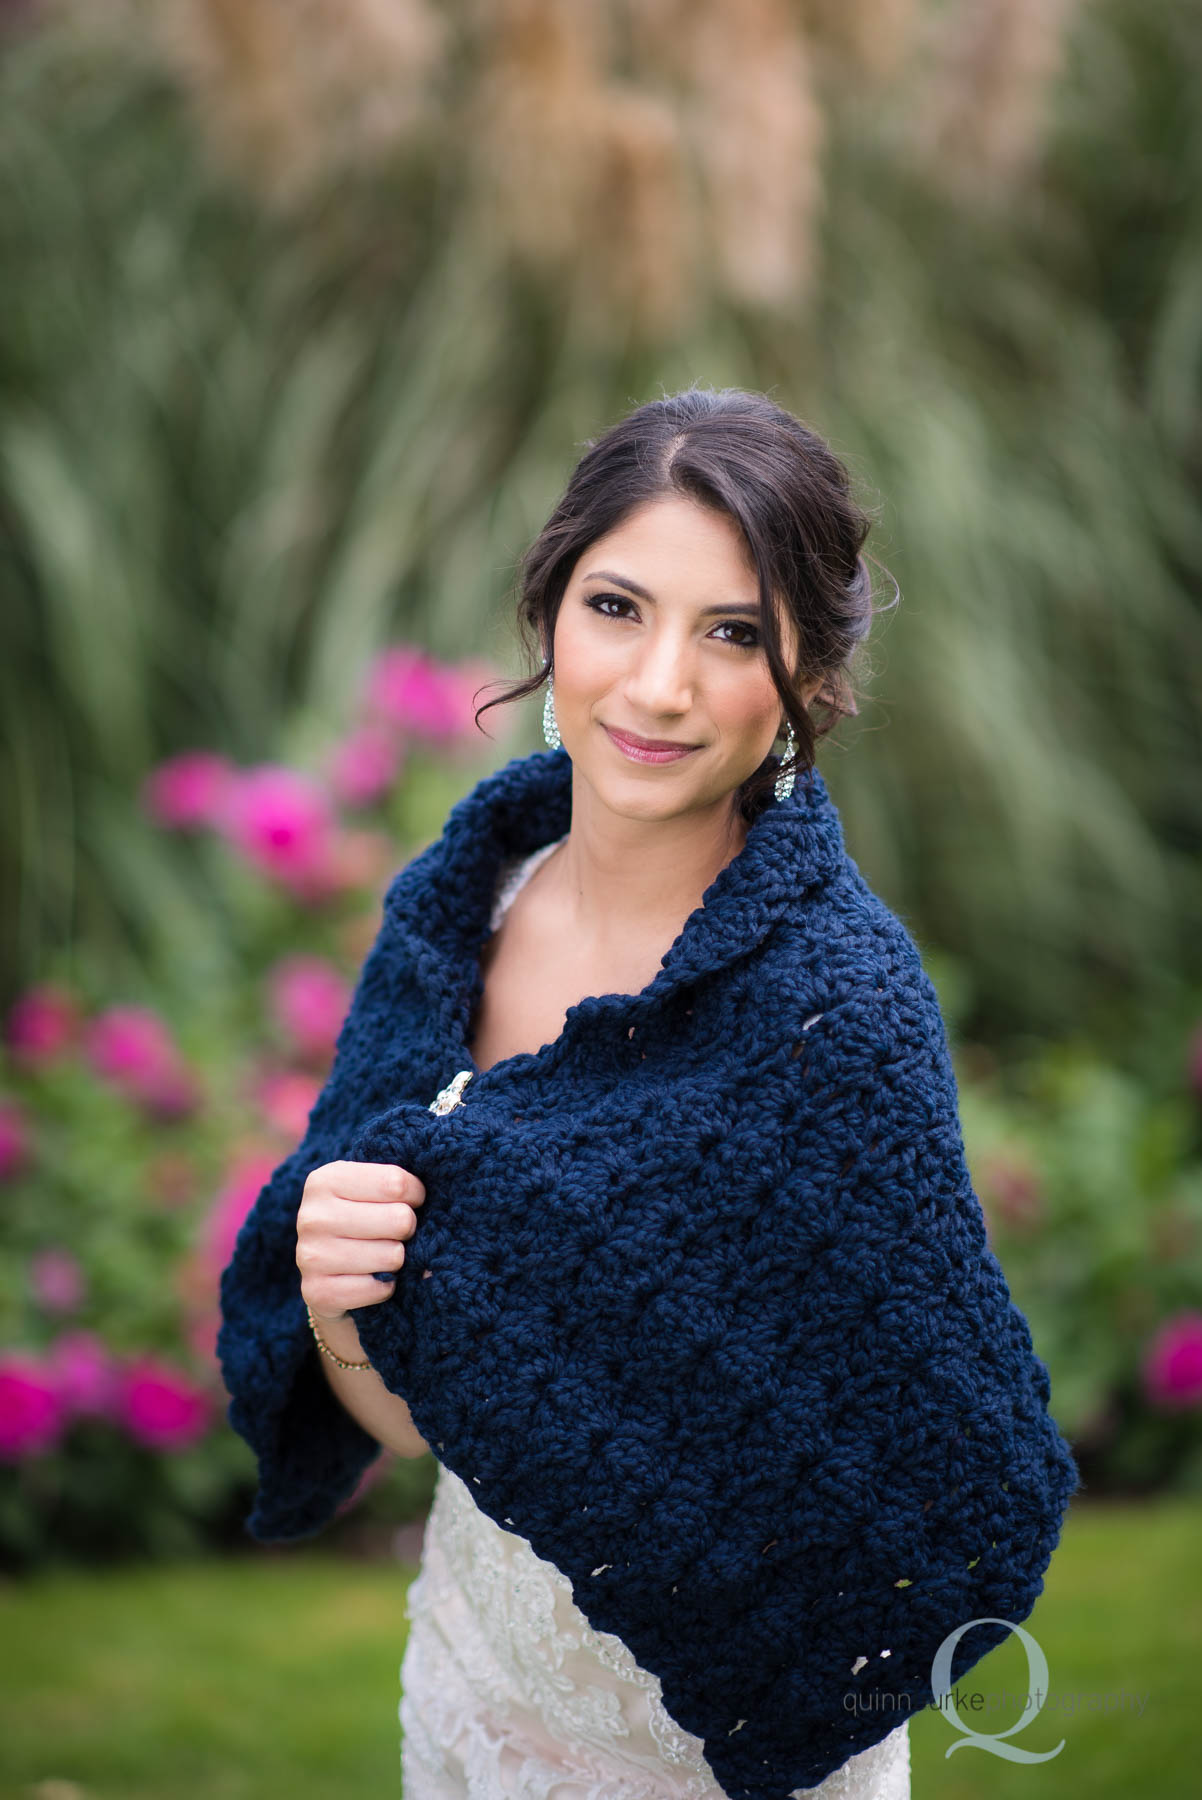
x: 325, y: 1348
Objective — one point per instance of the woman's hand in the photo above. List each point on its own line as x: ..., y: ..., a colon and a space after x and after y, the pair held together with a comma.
x: 353, y: 1220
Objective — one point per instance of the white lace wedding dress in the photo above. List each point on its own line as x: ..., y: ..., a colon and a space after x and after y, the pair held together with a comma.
x: 508, y: 1693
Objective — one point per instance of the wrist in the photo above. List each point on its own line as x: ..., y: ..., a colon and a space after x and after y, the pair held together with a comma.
x: 339, y: 1337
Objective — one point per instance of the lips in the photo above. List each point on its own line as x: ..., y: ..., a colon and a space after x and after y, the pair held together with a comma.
x: 648, y: 750
x: 644, y: 743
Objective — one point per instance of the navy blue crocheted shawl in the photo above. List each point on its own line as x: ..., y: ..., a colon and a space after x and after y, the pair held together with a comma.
x: 700, y: 1301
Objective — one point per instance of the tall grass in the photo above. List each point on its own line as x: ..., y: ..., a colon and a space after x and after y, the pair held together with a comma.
x: 263, y: 407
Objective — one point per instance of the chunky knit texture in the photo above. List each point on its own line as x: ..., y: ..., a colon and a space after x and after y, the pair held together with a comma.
x: 700, y: 1300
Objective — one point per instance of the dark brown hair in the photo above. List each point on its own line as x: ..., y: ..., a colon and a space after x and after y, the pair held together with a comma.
x: 790, y: 496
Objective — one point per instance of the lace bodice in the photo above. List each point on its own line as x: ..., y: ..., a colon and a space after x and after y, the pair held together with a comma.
x: 507, y: 1690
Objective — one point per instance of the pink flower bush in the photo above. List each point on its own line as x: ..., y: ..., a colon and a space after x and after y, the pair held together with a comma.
x: 286, y: 1098
x: 281, y: 822
x: 188, y: 790
x: 365, y: 765
x: 360, y: 859
x: 309, y: 1000
x: 160, y: 1407
x: 1172, y: 1367
x: 170, y: 1178
x: 56, y: 1281
x: 131, y: 1048
x: 32, y: 1412
x: 238, y: 1194
x: 85, y: 1373
x: 42, y: 1025
x: 14, y: 1139
x: 424, y: 698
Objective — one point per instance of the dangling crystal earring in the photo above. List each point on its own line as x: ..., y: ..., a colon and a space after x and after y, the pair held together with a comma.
x: 550, y: 728
x: 784, y: 783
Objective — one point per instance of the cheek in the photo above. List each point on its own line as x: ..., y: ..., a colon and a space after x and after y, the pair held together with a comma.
x: 587, y: 657
x: 746, y: 701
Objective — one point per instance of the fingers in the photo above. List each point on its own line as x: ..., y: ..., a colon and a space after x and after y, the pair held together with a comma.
x: 360, y: 1200
x: 351, y: 1229
x: 380, y: 1182
x: 321, y: 1254
x: 330, y: 1296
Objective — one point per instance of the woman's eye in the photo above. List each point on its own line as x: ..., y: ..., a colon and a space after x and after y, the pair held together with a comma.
x: 597, y: 601
x: 750, y: 642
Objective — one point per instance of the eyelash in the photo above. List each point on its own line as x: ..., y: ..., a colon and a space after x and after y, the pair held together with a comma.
x: 594, y: 603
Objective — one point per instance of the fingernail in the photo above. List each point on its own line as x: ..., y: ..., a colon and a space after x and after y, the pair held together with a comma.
x: 383, y: 1275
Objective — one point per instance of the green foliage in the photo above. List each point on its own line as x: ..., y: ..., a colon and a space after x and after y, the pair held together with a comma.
x: 241, y: 447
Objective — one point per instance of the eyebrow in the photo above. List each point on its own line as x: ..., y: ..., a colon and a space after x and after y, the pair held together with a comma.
x: 707, y: 612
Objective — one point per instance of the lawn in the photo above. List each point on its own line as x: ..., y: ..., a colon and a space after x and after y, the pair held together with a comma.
x: 277, y: 1675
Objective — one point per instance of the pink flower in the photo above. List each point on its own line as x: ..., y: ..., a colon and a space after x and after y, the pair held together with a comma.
x: 42, y: 1023
x: 286, y: 1097
x: 469, y: 683
x: 56, y: 1281
x: 281, y: 822
x: 1172, y: 1367
x: 160, y: 1407
x: 14, y: 1139
x: 365, y: 765
x: 131, y: 1047
x: 188, y: 790
x: 85, y: 1374
x: 32, y: 1414
x: 309, y: 1001
x: 407, y: 687
x: 241, y: 1189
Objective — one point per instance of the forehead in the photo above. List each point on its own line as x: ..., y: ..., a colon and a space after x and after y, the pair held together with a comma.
x: 675, y: 538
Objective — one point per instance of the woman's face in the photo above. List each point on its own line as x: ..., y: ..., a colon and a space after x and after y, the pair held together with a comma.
x: 657, y: 637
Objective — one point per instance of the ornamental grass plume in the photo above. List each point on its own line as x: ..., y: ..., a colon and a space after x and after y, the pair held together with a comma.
x: 294, y: 94
x: 755, y: 133
x: 986, y: 105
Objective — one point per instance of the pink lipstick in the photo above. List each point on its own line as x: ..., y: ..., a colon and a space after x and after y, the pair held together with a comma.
x: 652, y: 750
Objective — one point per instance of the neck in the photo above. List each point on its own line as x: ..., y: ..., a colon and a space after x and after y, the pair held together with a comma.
x: 620, y: 876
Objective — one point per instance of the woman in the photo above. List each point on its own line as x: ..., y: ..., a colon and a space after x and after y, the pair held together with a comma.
x: 698, y: 591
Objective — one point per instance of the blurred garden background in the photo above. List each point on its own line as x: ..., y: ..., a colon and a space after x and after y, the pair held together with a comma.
x: 307, y: 307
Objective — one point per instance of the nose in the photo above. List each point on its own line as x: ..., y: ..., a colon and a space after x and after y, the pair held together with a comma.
x: 660, y: 682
